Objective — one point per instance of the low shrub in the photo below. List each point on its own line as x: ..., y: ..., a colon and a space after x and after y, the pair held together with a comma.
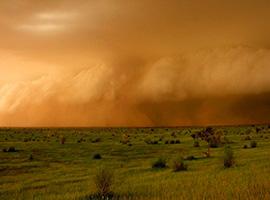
x: 147, y: 141
x: 247, y: 138
x: 190, y: 157
x: 227, y: 141
x: 125, y: 139
x: 97, y: 156
x: 31, y: 157
x: 150, y: 141
x: 103, y: 181
x: 179, y: 165
x: 228, y: 157
x: 63, y: 140
x: 213, y: 143
x: 173, y: 134
x: 207, y: 153
x: 95, y: 140
x: 172, y: 142
x: 159, y: 163
x: 196, y: 143
x: 11, y: 149
x: 177, y: 141
x: 245, y: 146
x: 110, y: 196
x: 253, y: 144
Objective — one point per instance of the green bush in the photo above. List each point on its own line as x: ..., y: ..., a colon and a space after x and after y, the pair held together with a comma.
x: 228, y: 157
x: 179, y: 165
x: 159, y: 163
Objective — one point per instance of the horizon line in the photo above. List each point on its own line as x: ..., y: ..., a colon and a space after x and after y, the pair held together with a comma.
x: 177, y: 126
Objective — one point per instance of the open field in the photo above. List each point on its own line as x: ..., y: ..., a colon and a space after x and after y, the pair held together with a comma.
x: 43, y: 168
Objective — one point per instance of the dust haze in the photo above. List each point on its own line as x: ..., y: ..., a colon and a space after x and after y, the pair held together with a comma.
x: 141, y: 63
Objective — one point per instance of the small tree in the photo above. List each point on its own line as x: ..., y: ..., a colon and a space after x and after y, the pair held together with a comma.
x: 211, y: 136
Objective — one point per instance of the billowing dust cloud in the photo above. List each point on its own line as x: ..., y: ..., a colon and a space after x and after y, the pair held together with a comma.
x: 61, y: 66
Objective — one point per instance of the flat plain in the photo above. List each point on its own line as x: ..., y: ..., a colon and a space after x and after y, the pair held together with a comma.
x: 60, y: 163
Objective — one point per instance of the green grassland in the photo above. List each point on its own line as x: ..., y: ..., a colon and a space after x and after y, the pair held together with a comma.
x: 66, y: 171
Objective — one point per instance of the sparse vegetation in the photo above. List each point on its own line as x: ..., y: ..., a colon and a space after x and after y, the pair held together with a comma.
x: 43, y: 168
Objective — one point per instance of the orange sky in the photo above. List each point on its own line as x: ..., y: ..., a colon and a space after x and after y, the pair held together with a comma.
x: 134, y: 63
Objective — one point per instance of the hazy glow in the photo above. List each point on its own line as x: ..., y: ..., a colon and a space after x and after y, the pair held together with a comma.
x: 50, y: 16
x: 48, y: 22
x: 42, y: 27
